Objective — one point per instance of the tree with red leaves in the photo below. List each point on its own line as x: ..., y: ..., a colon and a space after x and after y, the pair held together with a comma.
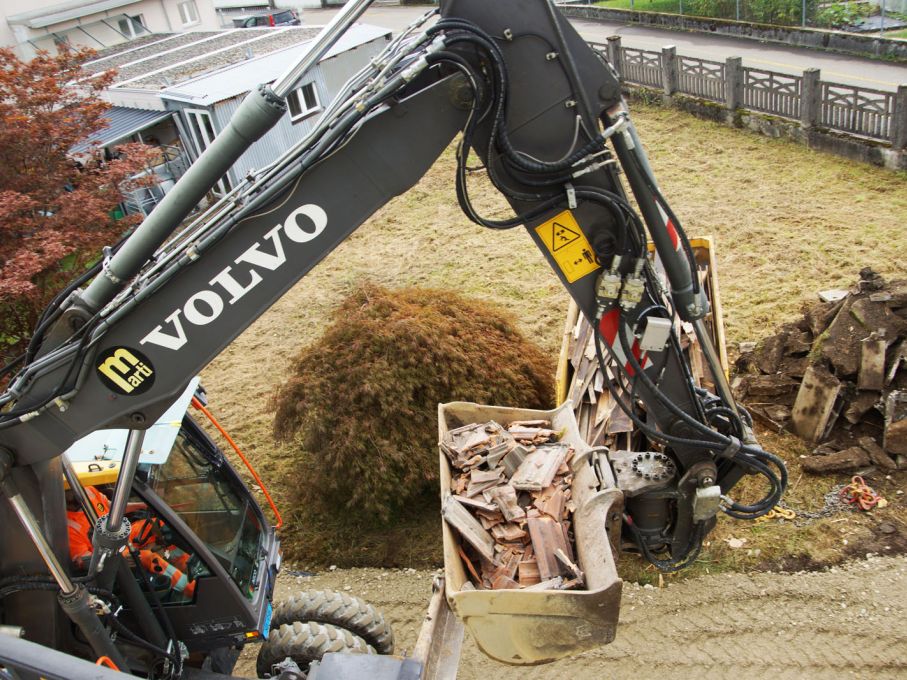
x: 55, y: 213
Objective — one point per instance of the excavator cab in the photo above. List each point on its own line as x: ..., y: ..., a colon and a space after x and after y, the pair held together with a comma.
x: 200, y: 547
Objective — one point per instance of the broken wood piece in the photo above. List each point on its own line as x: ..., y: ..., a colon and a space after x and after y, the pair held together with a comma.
x: 568, y: 563
x: 539, y: 468
x: 469, y: 528
x: 547, y: 537
x: 504, y: 498
x: 470, y: 567
x: 530, y: 423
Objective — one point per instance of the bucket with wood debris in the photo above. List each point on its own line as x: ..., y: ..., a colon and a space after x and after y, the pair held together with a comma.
x: 531, y: 528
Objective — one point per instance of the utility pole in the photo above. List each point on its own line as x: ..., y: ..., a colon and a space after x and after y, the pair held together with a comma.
x: 882, y: 24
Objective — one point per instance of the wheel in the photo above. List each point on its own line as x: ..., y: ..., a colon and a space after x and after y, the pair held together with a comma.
x: 338, y: 609
x: 307, y: 642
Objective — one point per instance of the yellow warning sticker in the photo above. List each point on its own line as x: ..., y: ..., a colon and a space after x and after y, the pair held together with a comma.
x: 568, y: 246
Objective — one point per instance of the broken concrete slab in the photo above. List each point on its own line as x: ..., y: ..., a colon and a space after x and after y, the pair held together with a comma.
x: 842, y: 461
x: 872, y: 363
x: 833, y: 295
x: 819, y: 316
x: 895, y: 438
x: 877, y: 454
x: 815, y: 404
x: 860, y: 405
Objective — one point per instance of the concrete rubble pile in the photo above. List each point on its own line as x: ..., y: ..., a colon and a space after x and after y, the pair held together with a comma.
x: 511, y: 505
x: 836, y: 377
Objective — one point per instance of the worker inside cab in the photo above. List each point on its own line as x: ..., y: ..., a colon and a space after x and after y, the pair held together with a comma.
x: 166, y: 565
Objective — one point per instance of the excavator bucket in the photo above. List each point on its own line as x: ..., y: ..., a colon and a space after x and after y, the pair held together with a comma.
x: 526, y: 627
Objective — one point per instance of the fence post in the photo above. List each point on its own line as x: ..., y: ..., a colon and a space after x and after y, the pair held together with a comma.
x: 669, y: 69
x: 733, y: 83
x: 614, y: 54
x: 899, y: 124
x: 809, y: 98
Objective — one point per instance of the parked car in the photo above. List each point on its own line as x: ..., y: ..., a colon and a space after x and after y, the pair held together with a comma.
x: 283, y: 17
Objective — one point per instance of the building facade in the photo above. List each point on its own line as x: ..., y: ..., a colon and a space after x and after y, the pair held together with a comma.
x: 98, y: 23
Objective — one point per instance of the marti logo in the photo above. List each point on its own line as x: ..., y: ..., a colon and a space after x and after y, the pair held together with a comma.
x: 232, y: 283
x: 125, y: 371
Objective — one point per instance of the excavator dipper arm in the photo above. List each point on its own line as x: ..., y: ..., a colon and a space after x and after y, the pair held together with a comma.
x: 544, y: 114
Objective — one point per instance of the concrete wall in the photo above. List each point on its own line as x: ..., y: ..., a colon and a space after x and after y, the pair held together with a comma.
x: 836, y: 41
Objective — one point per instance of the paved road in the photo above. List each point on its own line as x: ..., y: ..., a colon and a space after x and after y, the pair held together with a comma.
x: 834, y: 67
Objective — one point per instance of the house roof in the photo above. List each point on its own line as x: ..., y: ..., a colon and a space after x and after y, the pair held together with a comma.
x: 123, y: 123
x: 55, y: 14
x: 236, y: 79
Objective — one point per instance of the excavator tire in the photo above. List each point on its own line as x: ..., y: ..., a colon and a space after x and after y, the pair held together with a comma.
x: 337, y: 609
x: 305, y: 642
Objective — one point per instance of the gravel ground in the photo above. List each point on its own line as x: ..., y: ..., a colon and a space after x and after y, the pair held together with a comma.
x: 848, y: 621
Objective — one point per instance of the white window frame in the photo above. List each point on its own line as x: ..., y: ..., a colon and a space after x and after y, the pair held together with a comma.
x: 298, y: 97
x: 130, y: 26
x: 188, y: 11
x: 201, y: 137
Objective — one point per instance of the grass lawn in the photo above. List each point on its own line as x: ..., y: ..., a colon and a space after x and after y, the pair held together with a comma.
x: 787, y: 222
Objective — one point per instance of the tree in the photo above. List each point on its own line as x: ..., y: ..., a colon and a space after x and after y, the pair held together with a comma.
x: 55, y: 213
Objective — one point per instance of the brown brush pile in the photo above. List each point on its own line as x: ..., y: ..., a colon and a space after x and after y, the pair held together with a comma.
x: 363, y: 399
x: 836, y: 377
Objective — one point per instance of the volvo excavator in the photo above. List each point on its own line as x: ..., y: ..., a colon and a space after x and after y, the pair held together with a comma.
x: 540, y: 115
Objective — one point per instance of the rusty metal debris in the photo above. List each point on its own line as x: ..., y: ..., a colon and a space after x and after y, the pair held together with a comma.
x: 836, y: 378
x: 510, y: 504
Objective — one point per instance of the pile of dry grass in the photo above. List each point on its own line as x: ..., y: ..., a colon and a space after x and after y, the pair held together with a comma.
x: 362, y: 400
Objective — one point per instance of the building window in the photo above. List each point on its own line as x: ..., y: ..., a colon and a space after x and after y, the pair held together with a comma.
x: 188, y: 12
x: 303, y: 102
x: 132, y: 27
x: 203, y: 135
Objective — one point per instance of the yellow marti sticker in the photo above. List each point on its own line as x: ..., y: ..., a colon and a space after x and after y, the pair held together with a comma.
x: 568, y: 246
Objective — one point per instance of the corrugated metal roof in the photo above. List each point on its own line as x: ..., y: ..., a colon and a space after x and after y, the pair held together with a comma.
x: 123, y: 123
x: 238, y: 79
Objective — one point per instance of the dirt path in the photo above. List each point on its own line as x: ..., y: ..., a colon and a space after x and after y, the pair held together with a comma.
x: 846, y: 622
